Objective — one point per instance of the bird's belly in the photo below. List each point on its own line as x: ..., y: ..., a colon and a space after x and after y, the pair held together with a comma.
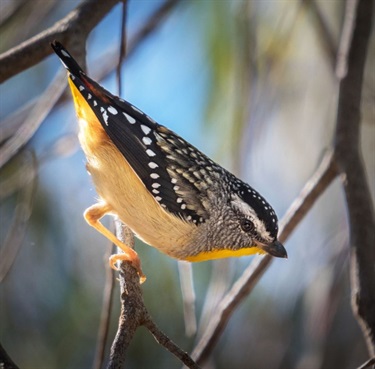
x: 118, y: 185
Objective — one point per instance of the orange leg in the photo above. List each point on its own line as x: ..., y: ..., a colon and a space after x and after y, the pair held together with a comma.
x: 93, y: 215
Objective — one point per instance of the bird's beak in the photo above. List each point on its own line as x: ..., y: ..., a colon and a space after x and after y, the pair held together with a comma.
x: 275, y: 249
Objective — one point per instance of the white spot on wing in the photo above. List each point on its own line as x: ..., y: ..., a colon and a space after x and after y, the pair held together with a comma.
x: 65, y: 53
x: 145, y: 129
x: 112, y: 110
x: 152, y: 165
x: 134, y: 108
x: 154, y: 175
x: 147, y: 140
x: 105, y: 116
x: 155, y: 185
x: 130, y: 119
x: 150, y: 152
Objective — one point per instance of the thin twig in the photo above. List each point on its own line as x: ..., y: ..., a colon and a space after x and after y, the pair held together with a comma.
x: 166, y: 342
x: 105, y: 317
x: 313, y: 189
x: 109, y: 61
x: 123, y: 40
x: 185, y: 272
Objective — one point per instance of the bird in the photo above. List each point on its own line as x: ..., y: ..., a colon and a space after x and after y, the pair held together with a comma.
x: 171, y: 195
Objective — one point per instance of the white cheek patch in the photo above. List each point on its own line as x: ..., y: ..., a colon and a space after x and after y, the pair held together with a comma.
x: 249, y: 212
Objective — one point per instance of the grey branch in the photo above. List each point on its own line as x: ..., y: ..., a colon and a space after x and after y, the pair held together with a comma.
x: 134, y: 313
x: 76, y: 25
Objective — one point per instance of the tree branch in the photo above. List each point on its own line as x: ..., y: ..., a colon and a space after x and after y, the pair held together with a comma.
x: 132, y: 305
x: 69, y: 30
x: 167, y: 343
x: 134, y: 313
x: 34, y: 119
x: 348, y: 156
x: 10, y: 125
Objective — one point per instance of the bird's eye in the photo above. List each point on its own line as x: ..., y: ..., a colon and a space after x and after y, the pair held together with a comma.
x: 247, y: 225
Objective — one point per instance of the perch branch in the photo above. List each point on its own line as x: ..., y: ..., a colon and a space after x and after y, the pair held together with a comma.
x: 134, y: 313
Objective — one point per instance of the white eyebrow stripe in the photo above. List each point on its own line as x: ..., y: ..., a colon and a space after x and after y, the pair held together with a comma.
x: 246, y: 209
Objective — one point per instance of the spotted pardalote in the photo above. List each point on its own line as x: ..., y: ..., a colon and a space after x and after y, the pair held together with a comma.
x: 171, y: 195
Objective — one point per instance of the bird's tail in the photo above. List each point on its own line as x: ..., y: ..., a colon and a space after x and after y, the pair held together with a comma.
x: 66, y: 59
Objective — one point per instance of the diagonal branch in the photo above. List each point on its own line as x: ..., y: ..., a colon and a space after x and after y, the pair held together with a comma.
x: 77, y: 24
x: 10, y: 125
x: 36, y: 117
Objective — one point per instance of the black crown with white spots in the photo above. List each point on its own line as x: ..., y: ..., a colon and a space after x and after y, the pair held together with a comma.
x: 177, y: 174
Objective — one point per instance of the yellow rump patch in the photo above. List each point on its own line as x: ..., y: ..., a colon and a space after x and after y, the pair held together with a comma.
x: 225, y: 253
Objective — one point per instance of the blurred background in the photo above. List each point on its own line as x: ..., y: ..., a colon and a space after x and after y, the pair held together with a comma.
x: 250, y: 83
